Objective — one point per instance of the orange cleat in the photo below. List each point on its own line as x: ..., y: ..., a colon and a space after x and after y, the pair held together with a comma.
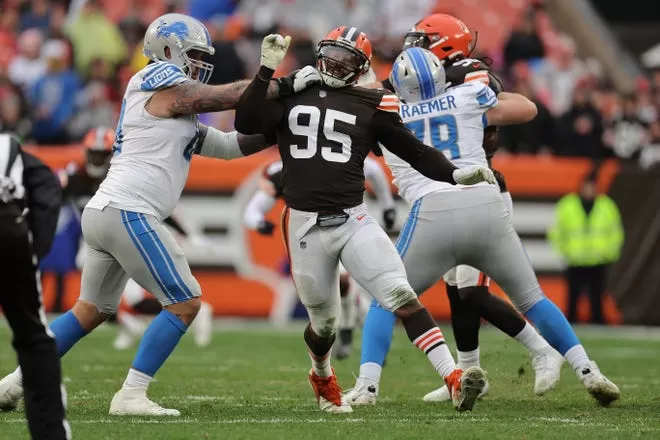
x: 465, y: 387
x: 328, y: 393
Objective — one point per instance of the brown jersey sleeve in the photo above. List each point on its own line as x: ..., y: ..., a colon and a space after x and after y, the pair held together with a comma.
x: 389, y: 130
x: 255, y: 113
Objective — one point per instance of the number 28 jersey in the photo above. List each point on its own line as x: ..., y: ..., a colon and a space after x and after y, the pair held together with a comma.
x: 453, y: 123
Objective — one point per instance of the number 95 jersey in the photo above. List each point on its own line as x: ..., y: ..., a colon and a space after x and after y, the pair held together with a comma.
x: 453, y: 123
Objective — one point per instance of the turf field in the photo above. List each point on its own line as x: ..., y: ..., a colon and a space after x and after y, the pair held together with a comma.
x: 251, y: 384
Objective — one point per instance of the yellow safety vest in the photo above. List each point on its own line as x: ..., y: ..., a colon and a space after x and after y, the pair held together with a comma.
x: 587, y: 240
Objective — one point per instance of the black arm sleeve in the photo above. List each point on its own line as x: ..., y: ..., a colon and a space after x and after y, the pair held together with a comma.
x: 44, y: 198
x: 255, y: 114
x: 176, y: 225
x: 390, y: 131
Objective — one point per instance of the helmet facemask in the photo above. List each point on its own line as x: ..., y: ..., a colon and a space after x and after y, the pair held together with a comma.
x: 196, y: 69
x: 340, y: 65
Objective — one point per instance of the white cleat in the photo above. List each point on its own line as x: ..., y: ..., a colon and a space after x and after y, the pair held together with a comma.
x: 599, y: 386
x: 362, y: 394
x: 203, y: 325
x: 442, y: 394
x: 11, y: 392
x: 136, y: 403
x: 547, y: 366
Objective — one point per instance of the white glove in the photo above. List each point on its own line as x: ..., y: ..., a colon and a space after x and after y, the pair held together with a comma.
x: 273, y: 50
x: 472, y: 174
x: 305, y: 78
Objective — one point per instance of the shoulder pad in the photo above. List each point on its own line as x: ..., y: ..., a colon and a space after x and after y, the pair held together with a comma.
x: 467, y: 70
x: 160, y: 75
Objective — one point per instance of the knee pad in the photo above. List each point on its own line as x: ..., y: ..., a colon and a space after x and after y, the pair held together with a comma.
x: 323, y: 325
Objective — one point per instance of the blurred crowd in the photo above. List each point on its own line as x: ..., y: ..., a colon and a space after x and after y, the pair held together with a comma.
x: 64, y: 65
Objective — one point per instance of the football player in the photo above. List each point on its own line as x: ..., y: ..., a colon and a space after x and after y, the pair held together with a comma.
x: 324, y: 134
x: 157, y: 134
x: 467, y: 288
x: 454, y: 122
x: 79, y: 183
x: 263, y: 200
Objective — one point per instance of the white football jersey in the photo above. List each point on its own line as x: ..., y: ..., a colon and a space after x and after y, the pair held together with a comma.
x: 151, y: 156
x: 452, y: 122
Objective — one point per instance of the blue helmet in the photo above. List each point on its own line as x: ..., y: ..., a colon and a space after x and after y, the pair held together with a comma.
x: 418, y: 75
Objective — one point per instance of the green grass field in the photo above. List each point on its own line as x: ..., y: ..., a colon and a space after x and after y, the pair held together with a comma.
x: 251, y: 383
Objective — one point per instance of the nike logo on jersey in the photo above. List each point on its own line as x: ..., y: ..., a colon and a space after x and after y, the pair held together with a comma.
x: 360, y: 217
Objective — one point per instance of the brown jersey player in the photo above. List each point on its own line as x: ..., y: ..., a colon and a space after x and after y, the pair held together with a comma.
x: 324, y: 134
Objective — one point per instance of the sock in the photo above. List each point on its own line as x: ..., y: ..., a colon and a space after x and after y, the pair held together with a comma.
x: 370, y: 372
x: 577, y: 358
x: 67, y: 331
x: 319, y: 351
x: 425, y: 334
x: 468, y: 359
x: 553, y: 325
x: 158, y: 342
x: 531, y: 339
x: 465, y: 320
x: 137, y: 379
x: 377, y: 334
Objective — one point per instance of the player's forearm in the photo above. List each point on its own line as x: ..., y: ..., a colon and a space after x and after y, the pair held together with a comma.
x: 249, y: 110
x: 194, y: 98
x: 220, y: 145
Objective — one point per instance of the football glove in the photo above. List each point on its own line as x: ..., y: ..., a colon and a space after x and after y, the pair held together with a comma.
x: 389, y: 217
x: 264, y: 227
x: 472, y: 174
x: 298, y: 81
x: 273, y: 50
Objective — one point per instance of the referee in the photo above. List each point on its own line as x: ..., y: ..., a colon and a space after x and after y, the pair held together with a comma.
x: 30, y: 198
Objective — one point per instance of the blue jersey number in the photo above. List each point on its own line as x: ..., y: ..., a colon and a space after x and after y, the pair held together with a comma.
x: 444, y: 133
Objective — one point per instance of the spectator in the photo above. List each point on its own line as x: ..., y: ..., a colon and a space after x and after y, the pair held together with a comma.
x: 523, y: 43
x: 27, y: 66
x: 628, y: 132
x: 94, y: 35
x: 558, y: 75
x: 536, y: 136
x: 650, y: 154
x: 13, y: 117
x: 588, y: 234
x: 582, y: 127
x: 226, y: 56
x: 54, y: 96
x: 95, y: 99
x: 37, y: 16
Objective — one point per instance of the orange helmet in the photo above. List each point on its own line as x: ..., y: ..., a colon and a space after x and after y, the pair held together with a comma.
x: 98, y: 144
x: 343, y: 56
x: 444, y: 35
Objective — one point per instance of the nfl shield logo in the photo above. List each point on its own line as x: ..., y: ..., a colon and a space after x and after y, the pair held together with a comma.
x: 322, y: 93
